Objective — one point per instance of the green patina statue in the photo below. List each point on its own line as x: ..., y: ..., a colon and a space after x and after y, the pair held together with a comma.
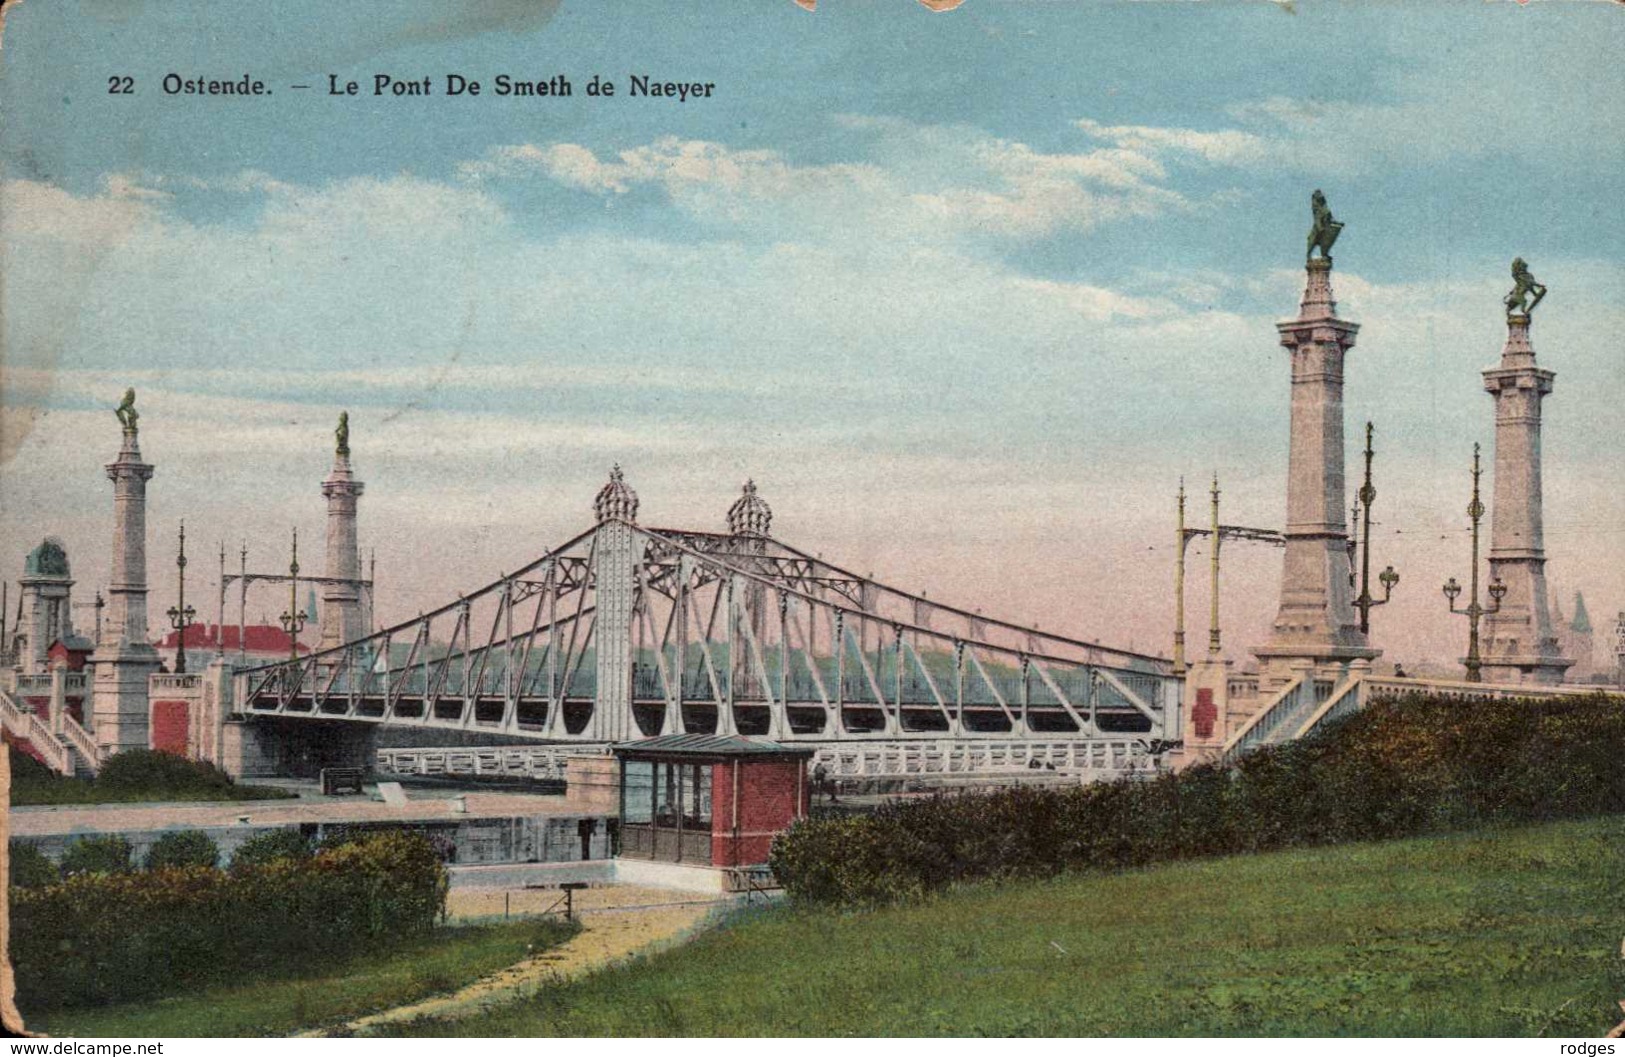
x: 126, y: 411
x: 1325, y: 231
x: 1526, y: 293
x: 342, y: 434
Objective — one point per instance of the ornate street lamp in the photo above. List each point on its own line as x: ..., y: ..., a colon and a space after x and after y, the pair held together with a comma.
x: 1365, y: 603
x: 293, y: 618
x: 181, y: 614
x: 1474, y: 612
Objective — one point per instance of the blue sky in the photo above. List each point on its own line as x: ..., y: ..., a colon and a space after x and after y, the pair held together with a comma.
x: 966, y: 292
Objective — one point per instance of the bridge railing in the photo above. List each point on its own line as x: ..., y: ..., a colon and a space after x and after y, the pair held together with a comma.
x: 984, y: 758
x: 24, y: 724
x: 1274, y: 712
x: 1295, y: 713
x: 82, y: 742
x: 1387, y: 688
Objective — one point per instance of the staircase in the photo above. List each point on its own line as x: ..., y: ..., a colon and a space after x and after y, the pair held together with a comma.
x: 1290, y: 714
x: 71, y: 753
x: 86, y: 755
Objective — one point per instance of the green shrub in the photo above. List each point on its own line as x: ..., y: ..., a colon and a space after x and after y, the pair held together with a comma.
x: 25, y: 770
x: 106, y: 854
x: 269, y: 847
x: 29, y: 866
x: 130, y: 777
x: 150, y: 769
x: 187, y: 847
x: 102, y: 938
x: 1397, y: 769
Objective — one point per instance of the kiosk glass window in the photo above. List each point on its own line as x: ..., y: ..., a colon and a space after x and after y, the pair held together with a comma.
x: 696, y: 795
x: 638, y: 796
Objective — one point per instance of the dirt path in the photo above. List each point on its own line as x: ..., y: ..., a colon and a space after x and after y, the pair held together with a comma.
x: 616, y: 924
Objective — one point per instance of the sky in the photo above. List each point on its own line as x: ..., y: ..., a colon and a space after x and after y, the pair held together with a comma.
x: 965, y: 293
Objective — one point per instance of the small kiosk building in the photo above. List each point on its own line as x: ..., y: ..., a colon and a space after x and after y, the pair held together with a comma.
x: 706, y: 800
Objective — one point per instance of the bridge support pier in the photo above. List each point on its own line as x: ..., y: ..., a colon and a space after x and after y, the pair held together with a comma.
x: 264, y: 747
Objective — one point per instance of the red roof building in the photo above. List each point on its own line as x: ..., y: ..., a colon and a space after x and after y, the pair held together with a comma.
x: 264, y: 641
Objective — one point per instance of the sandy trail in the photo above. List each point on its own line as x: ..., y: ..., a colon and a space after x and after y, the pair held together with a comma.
x: 616, y: 923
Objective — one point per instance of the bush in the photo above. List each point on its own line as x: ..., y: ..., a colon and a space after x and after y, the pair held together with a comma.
x: 29, y: 867
x: 107, y: 854
x: 102, y: 938
x: 136, y: 775
x: 1397, y: 769
x: 27, y: 770
x: 269, y: 847
x: 150, y: 769
x: 187, y: 847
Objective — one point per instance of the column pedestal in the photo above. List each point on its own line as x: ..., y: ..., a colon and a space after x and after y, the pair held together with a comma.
x: 1316, y: 619
x: 1520, y: 645
x: 341, y: 618
x: 124, y: 658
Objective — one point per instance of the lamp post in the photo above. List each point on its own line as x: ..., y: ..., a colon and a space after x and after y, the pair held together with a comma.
x: 180, y: 614
x: 293, y: 618
x: 1474, y: 612
x: 1365, y: 603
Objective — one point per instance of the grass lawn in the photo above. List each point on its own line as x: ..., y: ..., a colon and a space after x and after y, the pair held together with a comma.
x: 436, y: 964
x: 1506, y: 932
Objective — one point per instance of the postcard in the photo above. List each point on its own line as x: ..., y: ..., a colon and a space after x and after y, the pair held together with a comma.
x: 527, y: 517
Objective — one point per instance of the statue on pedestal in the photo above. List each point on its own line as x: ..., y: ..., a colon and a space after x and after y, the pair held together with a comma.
x: 1325, y: 229
x: 1519, y: 302
x: 342, y: 434
x: 126, y: 411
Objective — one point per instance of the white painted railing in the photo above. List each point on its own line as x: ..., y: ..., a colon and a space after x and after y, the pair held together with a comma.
x: 40, y: 685
x: 1386, y: 688
x: 1269, y: 716
x: 504, y: 761
x: 28, y: 726
x: 992, y: 758
x: 80, y: 739
x: 945, y: 759
x: 1356, y: 693
x: 1346, y: 700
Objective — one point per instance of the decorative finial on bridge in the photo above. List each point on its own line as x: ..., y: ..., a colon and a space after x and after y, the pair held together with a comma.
x: 750, y: 515
x: 1526, y: 293
x: 616, y: 499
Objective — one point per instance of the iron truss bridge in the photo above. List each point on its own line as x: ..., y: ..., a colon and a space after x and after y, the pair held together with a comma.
x: 627, y: 632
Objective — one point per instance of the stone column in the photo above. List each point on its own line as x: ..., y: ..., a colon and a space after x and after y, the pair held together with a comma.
x: 341, y: 618
x: 615, y: 585
x: 1520, y: 644
x: 1316, y: 620
x: 124, y: 658
x: 59, y: 695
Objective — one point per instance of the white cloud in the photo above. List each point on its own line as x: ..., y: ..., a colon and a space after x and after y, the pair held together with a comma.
x: 929, y: 181
x: 33, y: 210
x: 1223, y: 147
